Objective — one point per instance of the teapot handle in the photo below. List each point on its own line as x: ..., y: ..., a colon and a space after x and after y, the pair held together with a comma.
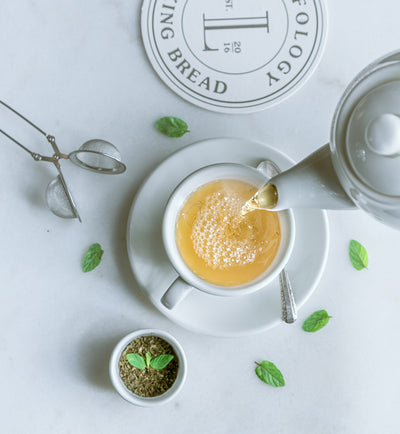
x: 312, y: 183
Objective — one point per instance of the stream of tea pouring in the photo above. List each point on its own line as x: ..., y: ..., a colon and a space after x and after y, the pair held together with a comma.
x: 265, y: 198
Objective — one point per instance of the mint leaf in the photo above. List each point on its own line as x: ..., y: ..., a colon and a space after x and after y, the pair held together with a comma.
x: 266, y: 371
x: 161, y: 362
x: 148, y: 358
x: 316, y: 321
x: 136, y: 360
x: 92, y: 258
x: 172, y: 126
x: 358, y: 255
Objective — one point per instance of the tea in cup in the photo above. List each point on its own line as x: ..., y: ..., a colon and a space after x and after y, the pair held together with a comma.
x: 212, y: 246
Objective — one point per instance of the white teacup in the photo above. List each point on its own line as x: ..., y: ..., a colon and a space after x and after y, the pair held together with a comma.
x: 187, y: 280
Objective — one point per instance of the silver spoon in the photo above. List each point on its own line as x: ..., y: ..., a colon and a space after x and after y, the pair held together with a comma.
x: 289, y: 310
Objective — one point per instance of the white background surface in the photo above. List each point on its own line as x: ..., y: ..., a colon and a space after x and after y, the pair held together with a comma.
x: 78, y: 69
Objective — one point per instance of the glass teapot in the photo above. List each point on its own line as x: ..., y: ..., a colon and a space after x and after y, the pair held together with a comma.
x: 360, y: 167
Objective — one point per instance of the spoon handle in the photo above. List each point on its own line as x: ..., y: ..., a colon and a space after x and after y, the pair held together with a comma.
x: 289, y: 310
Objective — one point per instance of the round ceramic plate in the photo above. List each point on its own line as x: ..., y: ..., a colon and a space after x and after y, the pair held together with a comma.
x: 201, y: 312
x: 234, y: 56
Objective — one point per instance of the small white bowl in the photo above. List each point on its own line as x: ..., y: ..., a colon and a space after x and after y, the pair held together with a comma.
x: 129, y: 395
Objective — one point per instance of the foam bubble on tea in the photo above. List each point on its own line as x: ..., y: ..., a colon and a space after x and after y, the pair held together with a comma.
x: 218, y: 243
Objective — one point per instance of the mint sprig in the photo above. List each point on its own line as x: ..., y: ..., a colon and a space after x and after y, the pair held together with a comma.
x: 172, y: 126
x: 268, y: 373
x: 136, y: 360
x: 159, y: 362
x: 316, y: 321
x: 358, y: 255
x: 92, y: 257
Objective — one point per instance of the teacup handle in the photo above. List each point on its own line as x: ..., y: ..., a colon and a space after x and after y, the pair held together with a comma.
x: 178, y: 290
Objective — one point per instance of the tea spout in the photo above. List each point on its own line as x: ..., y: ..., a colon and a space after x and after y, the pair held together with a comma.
x: 312, y: 183
x: 265, y: 198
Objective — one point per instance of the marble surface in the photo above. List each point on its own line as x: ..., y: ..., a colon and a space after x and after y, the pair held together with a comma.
x: 78, y: 69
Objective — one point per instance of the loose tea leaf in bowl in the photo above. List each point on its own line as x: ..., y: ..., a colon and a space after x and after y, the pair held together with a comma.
x: 143, y: 370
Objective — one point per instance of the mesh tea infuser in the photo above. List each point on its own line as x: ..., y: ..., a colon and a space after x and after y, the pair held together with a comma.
x: 96, y: 155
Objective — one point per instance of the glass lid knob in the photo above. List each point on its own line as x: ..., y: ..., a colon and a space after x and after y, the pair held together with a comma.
x: 382, y: 134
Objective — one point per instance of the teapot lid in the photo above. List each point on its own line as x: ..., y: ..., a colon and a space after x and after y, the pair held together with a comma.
x: 373, y: 138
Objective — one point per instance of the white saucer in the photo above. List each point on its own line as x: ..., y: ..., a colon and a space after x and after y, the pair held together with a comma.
x: 201, y: 312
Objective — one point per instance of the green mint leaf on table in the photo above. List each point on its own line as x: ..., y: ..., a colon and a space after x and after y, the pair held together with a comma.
x: 358, y: 255
x: 316, y: 321
x: 172, y: 126
x: 266, y: 371
x: 161, y: 362
x: 92, y: 258
x: 136, y: 361
x: 148, y: 358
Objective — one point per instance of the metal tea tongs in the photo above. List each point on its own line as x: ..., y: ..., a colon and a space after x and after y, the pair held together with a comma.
x: 96, y: 155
